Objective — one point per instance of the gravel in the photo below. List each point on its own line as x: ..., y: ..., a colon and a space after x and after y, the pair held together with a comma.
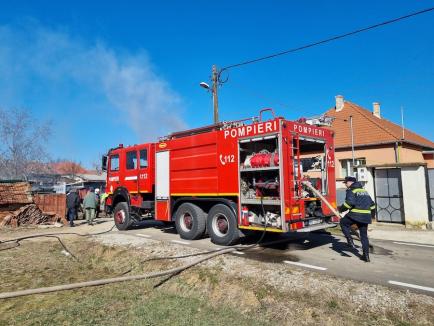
x: 360, y: 296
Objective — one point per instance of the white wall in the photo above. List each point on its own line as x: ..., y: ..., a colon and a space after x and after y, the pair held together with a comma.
x: 414, y: 193
x: 369, y: 185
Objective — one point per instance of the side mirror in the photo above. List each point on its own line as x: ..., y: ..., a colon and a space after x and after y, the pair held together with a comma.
x: 104, y: 163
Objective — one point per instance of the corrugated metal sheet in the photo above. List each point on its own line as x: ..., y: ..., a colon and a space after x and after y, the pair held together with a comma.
x: 51, y: 204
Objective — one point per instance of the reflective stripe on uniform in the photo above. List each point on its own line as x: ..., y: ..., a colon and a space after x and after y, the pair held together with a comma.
x: 372, y: 207
x: 363, y: 211
x: 346, y: 205
x: 358, y: 190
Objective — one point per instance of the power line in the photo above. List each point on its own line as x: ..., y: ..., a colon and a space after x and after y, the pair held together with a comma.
x: 334, y: 38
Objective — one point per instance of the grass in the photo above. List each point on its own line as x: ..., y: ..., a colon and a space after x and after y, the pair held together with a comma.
x: 124, y: 303
x: 198, y: 296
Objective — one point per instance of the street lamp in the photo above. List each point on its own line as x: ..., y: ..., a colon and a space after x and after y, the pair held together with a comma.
x: 204, y: 85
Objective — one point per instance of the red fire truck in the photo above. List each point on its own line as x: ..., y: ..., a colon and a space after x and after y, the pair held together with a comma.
x: 225, y: 178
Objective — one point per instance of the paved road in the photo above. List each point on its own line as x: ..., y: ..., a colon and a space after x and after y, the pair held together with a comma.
x: 403, y: 265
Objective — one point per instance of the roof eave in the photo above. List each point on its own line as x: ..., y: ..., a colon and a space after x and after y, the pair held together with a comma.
x: 386, y: 143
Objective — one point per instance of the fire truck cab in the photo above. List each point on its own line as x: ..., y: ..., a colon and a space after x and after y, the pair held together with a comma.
x: 225, y: 178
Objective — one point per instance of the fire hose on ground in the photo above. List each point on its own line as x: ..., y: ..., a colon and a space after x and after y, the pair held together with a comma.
x: 71, y: 286
x: 173, y: 271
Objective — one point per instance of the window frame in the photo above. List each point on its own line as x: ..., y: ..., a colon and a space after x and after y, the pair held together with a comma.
x: 135, y: 165
x: 140, y: 158
x: 111, y: 162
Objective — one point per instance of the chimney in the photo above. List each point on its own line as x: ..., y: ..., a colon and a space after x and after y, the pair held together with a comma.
x: 339, y: 103
x: 376, y: 109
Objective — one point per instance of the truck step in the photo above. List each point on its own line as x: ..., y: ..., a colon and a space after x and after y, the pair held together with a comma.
x: 317, y: 227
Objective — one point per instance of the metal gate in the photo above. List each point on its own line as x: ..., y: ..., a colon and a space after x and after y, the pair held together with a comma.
x: 431, y: 191
x: 388, y: 195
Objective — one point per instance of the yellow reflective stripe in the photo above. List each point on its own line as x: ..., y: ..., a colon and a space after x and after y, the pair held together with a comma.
x: 372, y: 207
x: 346, y: 205
x: 364, y: 211
x: 259, y: 228
x: 358, y: 190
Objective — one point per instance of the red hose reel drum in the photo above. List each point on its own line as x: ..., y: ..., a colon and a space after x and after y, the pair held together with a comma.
x: 264, y: 159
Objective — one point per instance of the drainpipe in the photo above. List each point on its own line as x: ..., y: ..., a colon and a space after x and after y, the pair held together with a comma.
x: 428, y: 194
x: 396, y: 152
x: 352, y: 142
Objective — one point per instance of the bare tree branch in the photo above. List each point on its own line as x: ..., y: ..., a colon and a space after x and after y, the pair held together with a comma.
x: 23, y: 143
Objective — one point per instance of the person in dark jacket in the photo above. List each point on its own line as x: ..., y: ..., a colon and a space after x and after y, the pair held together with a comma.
x: 72, y: 203
x: 360, y: 206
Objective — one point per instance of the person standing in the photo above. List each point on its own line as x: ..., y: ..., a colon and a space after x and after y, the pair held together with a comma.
x: 360, y: 206
x: 72, y: 204
x: 98, y: 199
x: 89, y: 204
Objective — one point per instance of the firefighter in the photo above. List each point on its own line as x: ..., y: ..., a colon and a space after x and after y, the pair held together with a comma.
x: 360, y: 206
x: 72, y: 203
x: 89, y: 204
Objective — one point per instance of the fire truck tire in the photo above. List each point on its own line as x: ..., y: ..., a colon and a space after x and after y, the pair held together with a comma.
x: 122, y: 216
x: 222, y: 225
x: 190, y: 221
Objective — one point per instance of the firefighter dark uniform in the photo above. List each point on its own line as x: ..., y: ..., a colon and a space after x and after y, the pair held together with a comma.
x: 360, y: 206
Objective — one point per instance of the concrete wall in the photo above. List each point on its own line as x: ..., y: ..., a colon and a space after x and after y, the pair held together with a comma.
x: 414, y: 196
x: 409, y: 155
x: 369, y: 185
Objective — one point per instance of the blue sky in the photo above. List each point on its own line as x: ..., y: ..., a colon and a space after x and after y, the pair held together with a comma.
x: 128, y: 72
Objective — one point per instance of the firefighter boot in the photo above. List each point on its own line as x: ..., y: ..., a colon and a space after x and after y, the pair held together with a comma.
x: 350, y: 243
x: 365, y: 256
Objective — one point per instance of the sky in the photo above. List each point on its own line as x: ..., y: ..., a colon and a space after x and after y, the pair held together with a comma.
x: 128, y: 72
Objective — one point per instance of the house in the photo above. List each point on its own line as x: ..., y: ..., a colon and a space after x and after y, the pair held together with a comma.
x: 86, y: 180
x: 395, y: 164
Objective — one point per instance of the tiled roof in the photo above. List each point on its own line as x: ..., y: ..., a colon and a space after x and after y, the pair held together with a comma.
x: 369, y: 129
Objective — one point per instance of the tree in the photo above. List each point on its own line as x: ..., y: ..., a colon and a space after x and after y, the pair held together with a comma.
x: 23, y: 143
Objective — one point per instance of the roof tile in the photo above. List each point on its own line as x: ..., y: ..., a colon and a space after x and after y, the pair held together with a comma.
x: 369, y: 129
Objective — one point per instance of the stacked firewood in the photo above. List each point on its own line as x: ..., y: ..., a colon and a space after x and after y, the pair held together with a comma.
x: 17, y: 206
x: 29, y: 214
x: 17, y: 193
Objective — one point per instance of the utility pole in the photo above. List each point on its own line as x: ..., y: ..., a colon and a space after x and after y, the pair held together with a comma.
x: 215, y: 81
x: 402, y: 122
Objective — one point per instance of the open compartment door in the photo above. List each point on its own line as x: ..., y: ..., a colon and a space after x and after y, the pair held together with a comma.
x: 162, y: 186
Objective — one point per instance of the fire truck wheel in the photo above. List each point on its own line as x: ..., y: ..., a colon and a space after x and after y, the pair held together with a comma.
x: 222, y: 225
x: 122, y: 216
x: 190, y: 221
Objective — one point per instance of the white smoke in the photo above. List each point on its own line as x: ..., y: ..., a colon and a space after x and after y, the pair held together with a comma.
x: 128, y: 82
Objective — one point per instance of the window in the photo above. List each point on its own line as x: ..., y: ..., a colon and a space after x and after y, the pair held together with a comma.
x: 131, y: 160
x: 114, y: 162
x: 348, y: 168
x: 143, y: 158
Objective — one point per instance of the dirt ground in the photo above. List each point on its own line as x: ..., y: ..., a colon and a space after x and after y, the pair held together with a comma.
x: 221, y: 291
